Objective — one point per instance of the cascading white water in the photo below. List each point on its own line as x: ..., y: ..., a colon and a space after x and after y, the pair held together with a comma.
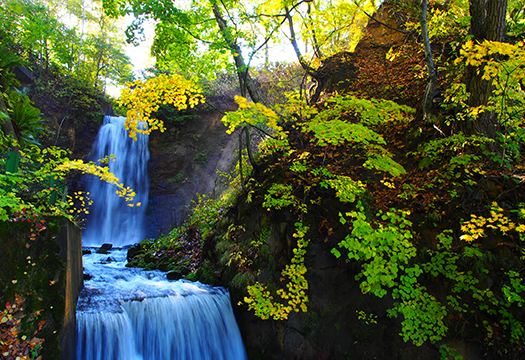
x: 111, y: 220
x: 132, y: 314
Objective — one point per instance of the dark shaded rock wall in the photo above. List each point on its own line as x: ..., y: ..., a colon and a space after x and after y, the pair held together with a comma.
x: 341, y: 321
x: 184, y: 162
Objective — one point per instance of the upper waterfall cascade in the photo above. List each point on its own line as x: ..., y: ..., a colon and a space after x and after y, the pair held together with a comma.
x: 111, y: 220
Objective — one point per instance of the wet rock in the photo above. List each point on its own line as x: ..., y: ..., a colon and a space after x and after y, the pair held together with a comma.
x: 87, y: 276
x: 164, y: 266
x: 134, y: 251
x: 150, y: 259
x: 86, y: 251
x: 132, y: 263
x: 104, y: 248
x: 108, y: 260
x: 178, y: 274
x: 296, y: 344
x: 174, y: 275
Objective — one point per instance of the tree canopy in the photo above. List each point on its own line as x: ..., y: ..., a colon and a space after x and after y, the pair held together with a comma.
x: 74, y: 36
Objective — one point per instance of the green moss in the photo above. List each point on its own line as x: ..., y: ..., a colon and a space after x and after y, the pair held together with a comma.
x: 206, y: 274
x: 192, y: 277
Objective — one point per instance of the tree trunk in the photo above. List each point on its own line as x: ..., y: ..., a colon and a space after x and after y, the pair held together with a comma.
x: 99, y: 67
x: 245, y: 80
x: 316, y: 47
x: 244, y: 77
x: 487, y: 23
x: 431, y: 88
x: 7, y: 125
x: 249, y: 147
x: 81, y: 37
x: 241, y: 177
x: 311, y: 71
x: 46, y: 54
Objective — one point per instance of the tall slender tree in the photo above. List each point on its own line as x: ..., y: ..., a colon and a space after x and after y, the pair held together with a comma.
x: 431, y: 88
x: 487, y: 23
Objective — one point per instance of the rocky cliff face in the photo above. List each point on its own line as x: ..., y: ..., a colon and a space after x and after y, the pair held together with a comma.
x: 184, y: 162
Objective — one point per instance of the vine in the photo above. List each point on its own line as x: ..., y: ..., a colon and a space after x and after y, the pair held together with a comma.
x: 293, y: 297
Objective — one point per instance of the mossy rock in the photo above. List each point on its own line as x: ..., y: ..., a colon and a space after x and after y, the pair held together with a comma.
x: 192, y: 277
x: 132, y: 263
x: 174, y: 275
x: 134, y: 251
x: 165, y: 266
x: 150, y: 259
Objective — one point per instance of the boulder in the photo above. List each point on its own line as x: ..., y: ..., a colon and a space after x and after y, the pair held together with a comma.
x: 178, y: 274
x: 134, y: 251
x: 104, y: 248
x: 174, y: 275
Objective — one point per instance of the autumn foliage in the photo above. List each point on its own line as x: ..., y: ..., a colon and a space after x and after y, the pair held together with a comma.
x: 13, y: 345
x: 142, y: 98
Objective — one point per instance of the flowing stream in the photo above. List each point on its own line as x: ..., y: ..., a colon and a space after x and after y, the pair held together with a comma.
x: 132, y: 314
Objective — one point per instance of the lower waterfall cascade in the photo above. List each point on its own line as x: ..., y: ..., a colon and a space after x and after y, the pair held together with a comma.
x: 133, y: 314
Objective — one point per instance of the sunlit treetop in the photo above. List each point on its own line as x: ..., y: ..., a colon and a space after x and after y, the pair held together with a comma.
x: 142, y: 98
x: 73, y: 36
x: 188, y: 40
x: 335, y: 26
x: 184, y: 33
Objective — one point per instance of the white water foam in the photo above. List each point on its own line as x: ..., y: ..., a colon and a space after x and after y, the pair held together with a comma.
x: 132, y: 314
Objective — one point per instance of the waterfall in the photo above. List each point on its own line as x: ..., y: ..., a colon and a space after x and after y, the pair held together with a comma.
x: 111, y: 220
x: 132, y: 314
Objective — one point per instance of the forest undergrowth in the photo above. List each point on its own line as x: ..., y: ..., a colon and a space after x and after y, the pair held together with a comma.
x: 432, y: 217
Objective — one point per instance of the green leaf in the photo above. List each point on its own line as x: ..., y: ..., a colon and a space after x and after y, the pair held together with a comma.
x: 336, y: 253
